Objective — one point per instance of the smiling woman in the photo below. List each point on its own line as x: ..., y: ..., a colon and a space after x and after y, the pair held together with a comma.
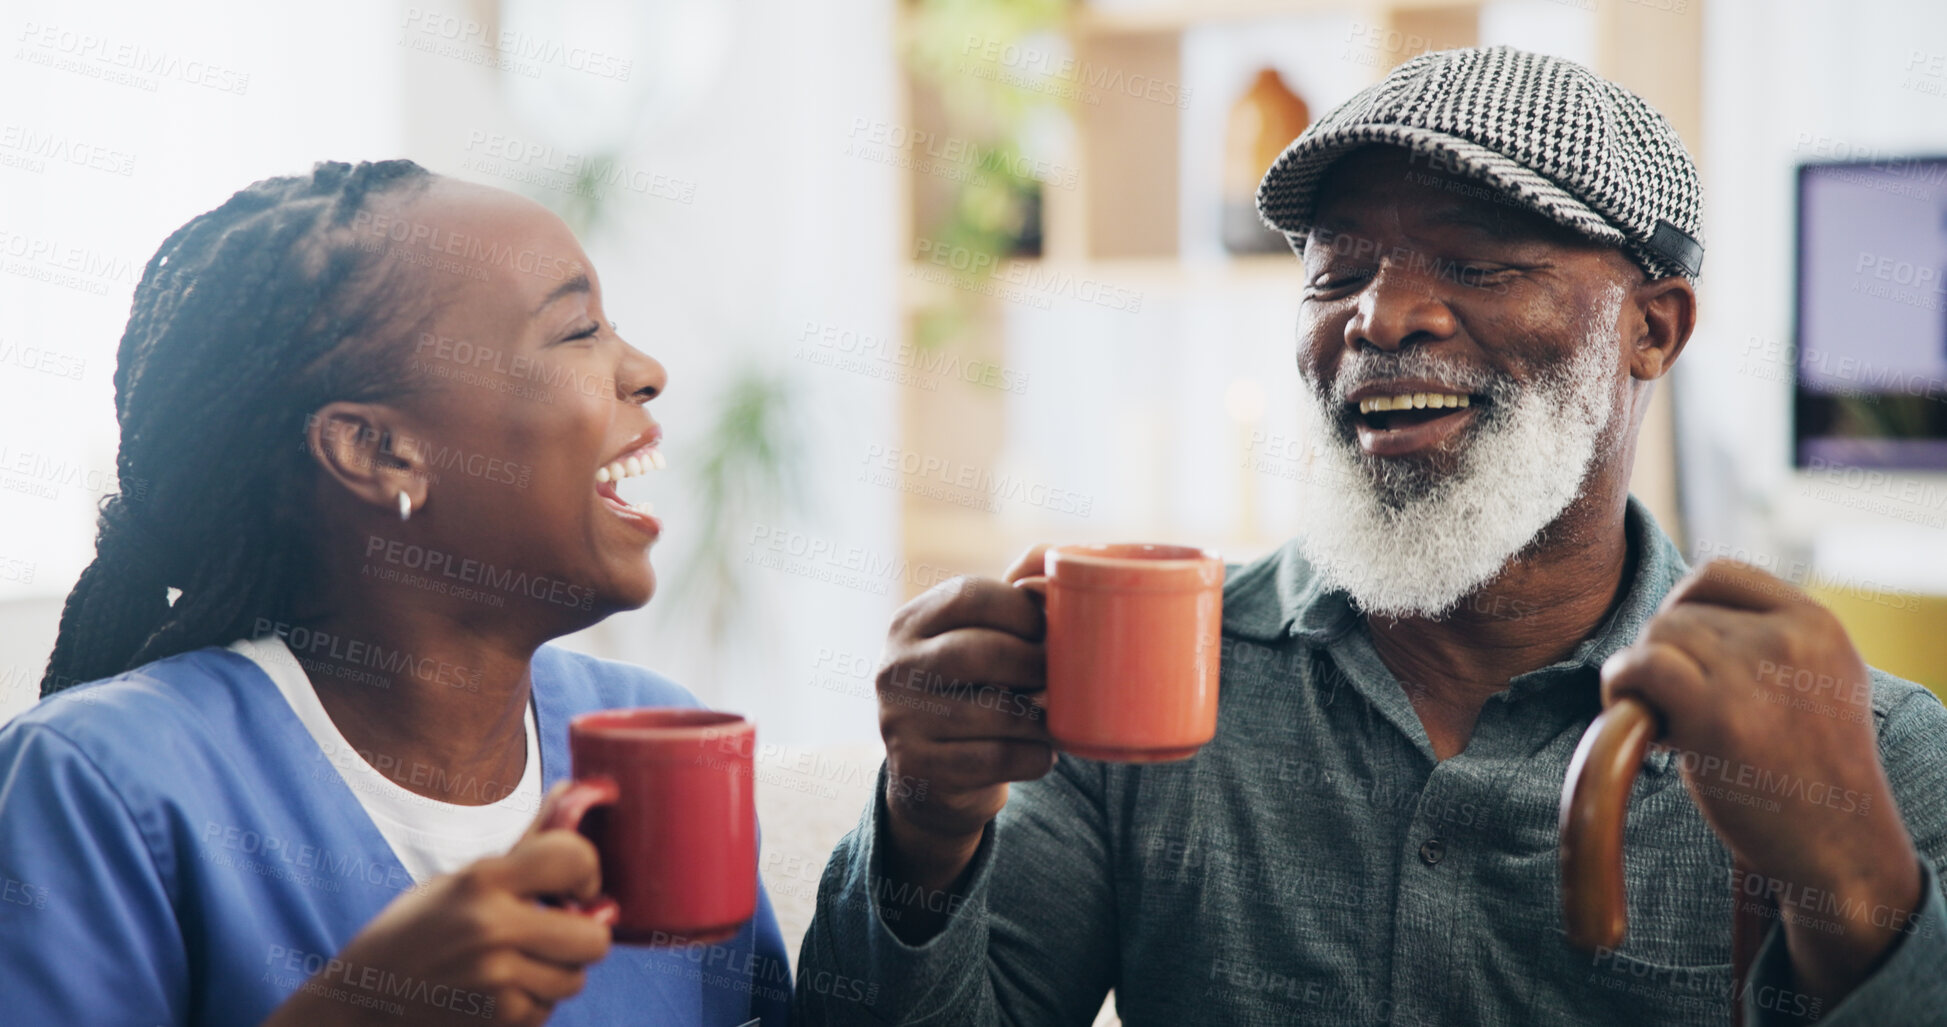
x: 378, y: 418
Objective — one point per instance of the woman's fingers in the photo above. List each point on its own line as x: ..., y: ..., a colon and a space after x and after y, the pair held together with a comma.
x: 562, y: 937
x: 549, y: 864
x: 548, y: 803
x: 545, y: 981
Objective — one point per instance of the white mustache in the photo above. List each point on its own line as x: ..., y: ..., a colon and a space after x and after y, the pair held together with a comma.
x: 1360, y: 369
x: 1403, y: 539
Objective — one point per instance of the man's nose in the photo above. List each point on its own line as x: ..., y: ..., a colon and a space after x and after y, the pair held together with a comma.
x: 1400, y: 309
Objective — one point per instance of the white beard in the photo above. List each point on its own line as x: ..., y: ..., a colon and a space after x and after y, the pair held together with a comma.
x: 1404, y: 540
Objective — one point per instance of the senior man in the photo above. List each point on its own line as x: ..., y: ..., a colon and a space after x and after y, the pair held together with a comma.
x: 1497, y: 253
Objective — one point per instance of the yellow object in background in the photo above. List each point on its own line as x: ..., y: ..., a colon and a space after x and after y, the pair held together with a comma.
x: 1898, y: 632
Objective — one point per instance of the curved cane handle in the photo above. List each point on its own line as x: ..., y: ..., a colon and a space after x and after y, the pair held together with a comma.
x: 1595, y: 798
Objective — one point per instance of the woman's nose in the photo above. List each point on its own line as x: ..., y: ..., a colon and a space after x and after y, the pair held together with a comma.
x: 641, y: 377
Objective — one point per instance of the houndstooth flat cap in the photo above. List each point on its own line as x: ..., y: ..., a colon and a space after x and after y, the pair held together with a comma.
x: 1550, y: 134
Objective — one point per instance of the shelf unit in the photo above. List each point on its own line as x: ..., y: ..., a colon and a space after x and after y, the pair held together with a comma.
x: 1127, y: 146
x: 1120, y: 223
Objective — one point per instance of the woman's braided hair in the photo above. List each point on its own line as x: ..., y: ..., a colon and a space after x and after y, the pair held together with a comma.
x: 237, y: 334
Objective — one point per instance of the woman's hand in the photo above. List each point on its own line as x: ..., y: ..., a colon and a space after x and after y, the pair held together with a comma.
x: 470, y: 946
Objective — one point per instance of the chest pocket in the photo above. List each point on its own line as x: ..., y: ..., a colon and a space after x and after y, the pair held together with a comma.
x: 1676, y: 872
x: 1674, y: 964
x: 1678, y: 877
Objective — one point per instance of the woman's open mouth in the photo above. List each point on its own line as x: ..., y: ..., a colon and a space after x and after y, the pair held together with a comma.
x: 642, y: 460
x: 1403, y: 423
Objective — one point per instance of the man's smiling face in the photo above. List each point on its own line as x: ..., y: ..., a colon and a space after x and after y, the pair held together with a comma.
x: 1465, y: 374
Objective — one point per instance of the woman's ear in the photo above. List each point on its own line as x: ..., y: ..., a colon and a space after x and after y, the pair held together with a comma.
x: 1669, y: 307
x: 362, y: 448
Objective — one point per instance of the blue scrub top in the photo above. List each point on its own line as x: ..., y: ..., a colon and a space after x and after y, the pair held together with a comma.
x: 175, y: 848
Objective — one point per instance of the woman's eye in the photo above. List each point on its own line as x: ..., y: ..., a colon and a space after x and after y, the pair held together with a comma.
x: 585, y: 333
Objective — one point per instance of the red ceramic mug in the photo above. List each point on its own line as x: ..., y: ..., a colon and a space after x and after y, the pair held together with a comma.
x: 1133, y: 636
x: 666, y: 796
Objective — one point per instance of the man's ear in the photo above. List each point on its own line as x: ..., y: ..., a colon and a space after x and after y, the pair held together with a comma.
x: 362, y: 448
x: 1669, y: 307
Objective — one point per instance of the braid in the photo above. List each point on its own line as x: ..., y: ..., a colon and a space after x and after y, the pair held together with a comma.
x: 237, y: 333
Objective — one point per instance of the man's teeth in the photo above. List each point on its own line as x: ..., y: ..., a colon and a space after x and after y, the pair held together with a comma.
x: 632, y: 466
x: 1413, y: 401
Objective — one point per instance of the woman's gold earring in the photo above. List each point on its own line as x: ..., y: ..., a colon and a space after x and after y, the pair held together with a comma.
x: 405, y: 506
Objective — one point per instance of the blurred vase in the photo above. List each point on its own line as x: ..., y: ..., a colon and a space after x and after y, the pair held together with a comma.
x: 1262, y: 123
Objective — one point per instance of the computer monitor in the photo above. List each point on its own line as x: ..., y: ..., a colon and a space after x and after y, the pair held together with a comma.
x: 1871, y: 326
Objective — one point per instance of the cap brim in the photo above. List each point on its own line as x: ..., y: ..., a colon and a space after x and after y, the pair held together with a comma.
x: 1287, y: 196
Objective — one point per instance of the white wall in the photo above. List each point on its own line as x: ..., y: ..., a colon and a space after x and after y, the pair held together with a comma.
x: 749, y: 102
x: 122, y: 121
x: 1788, y: 81
x: 785, y: 230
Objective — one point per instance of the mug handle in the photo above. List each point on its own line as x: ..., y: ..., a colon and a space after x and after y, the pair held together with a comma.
x: 585, y: 794
x: 1595, y: 800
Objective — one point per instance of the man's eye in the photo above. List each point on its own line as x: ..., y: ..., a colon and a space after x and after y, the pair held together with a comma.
x: 1326, y: 282
x: 1484, y: 274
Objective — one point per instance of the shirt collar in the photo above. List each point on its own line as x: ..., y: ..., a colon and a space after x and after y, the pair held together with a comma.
x: 1280, y: 595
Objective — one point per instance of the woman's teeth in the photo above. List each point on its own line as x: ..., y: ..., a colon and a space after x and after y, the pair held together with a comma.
x: 633, y: 465
x: 1412, y: 401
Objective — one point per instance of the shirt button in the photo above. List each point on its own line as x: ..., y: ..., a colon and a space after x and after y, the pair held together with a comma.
x: 1432, y: 851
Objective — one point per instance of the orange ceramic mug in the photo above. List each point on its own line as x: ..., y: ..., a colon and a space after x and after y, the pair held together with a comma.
x: 1133, y: 636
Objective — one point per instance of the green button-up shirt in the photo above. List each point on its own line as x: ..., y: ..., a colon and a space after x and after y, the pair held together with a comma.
x: 1315, y: 863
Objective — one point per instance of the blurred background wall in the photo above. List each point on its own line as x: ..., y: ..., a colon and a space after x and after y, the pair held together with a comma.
x: 934, y: 280
x: 731, y: 217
